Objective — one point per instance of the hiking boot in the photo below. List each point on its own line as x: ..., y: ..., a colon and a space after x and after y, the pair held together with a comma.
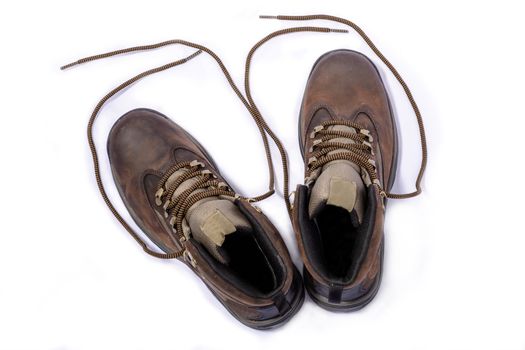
x: 176, y: 195
x: 348, y: 139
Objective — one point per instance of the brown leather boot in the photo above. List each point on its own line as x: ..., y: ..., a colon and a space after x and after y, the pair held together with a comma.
x: 176, y: 195
x: 349, y: 144
x: 348, y: 137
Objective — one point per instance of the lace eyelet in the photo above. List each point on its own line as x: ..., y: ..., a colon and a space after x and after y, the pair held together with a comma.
x: 367, y: 134
x: 194, y: 163
x: 158, y: 195
x: 316, y: 130
x: 369, y: 145
x: 315, y: 143
x: 189, y: 258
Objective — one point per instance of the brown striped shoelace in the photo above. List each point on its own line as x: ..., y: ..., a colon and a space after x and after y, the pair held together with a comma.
x: 261, y: 125
x: 177, y: 210
x: 393, y: 70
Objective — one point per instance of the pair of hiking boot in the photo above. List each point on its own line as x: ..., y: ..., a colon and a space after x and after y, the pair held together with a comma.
x: 175, y: 193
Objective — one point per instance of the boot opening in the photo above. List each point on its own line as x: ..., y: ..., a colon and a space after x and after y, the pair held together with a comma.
x: 251, y: 261
x: 335, y: 241
x: 248, y: 262
x: 338, y: 239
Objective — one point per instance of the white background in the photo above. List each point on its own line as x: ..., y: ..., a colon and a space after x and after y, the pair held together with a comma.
x: 71, y: 277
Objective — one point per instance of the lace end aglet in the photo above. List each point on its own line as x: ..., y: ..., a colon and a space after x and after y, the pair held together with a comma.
x: 268, y: 17
x: 69, y: 65
x: 338, y: 30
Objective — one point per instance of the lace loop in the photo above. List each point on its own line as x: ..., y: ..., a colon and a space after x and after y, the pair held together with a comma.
x: 250, y: 105
x: 128, y: 83
x: 94, y: 153
x: 379, y: 54
x: 261, y: 122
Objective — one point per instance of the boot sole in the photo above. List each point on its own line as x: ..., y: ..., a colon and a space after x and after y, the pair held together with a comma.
x: 272, y: 322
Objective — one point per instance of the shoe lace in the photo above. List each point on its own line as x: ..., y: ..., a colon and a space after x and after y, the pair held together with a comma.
x: 261, y: 124
x: 206, y: 185
x: 249, y: 104
x: 359, y: 151
x: 393, y: 70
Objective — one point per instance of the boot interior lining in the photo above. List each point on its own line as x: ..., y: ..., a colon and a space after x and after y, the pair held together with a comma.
x: 338, y: 240
x: 334, y: 247
x: 248, y: 262
x: 254, y: 266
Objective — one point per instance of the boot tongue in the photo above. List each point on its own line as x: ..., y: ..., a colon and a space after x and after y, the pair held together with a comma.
x: 339, y: 184
x: 211, y: 221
